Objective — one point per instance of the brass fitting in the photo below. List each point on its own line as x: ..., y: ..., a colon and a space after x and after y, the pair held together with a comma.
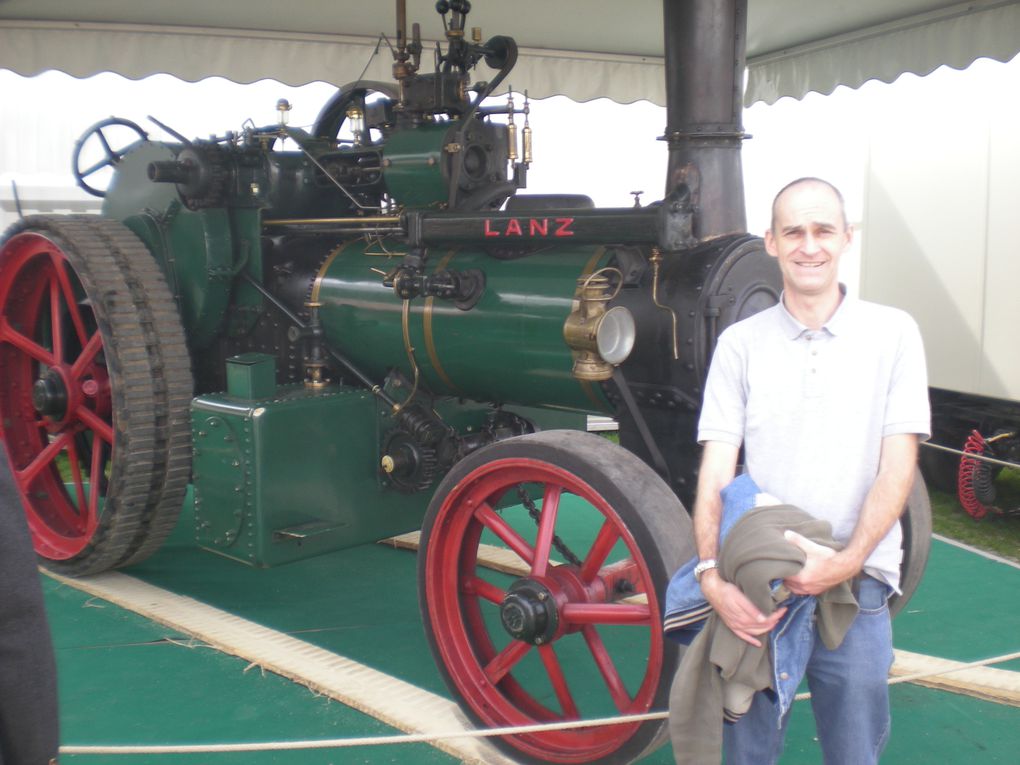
x: 599, y: 338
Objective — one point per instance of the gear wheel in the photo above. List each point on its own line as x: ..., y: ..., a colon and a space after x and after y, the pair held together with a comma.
x: 210, y: 173
x: 407, y: 463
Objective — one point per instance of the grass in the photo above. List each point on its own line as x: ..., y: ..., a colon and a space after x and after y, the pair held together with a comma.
x: 995, y: 533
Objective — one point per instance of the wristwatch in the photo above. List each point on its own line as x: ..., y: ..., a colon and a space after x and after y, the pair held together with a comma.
x: 703, y: 566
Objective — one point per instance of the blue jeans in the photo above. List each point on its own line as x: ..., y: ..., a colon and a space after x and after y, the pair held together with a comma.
x: 849, y: 695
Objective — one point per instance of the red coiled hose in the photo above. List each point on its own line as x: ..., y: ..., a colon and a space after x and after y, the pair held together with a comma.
x: 969, y: 468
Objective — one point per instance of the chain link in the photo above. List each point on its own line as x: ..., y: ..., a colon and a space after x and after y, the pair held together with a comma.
x: 536, y: 516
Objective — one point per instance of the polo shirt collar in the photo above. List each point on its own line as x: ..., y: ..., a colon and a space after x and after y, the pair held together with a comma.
x: 793, y: 328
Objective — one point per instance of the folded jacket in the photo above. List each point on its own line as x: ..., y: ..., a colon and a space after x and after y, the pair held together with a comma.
x: 720, y: 672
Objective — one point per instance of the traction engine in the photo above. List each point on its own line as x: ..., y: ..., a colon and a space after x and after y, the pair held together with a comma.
x: 341, y: 334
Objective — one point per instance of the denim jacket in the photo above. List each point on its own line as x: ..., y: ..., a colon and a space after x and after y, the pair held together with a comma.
x: 790, y: 643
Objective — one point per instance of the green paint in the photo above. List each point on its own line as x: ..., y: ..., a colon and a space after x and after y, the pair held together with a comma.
x: 414, y: 162
x: 251, y: 376
x: 293, y: 476
x: 297, y: 474
x: 201, y: 252
x: 507, y: 348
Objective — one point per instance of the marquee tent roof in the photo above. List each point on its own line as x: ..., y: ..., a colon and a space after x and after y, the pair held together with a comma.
x: 584, y: 49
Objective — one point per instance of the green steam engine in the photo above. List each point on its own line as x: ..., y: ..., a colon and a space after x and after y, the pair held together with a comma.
x: 326, y: 332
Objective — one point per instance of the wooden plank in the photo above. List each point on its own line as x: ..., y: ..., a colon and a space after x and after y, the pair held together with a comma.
x: 999, y: 685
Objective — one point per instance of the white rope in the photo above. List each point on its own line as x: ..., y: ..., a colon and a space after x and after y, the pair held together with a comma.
x: 420, y: 738
x: 971, y: 455
x: 937, y: 672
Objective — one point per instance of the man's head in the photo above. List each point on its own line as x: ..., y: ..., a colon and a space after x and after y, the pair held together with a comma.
x: 809, y: 233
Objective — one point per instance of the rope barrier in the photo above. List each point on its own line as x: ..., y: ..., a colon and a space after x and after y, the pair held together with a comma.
x: 425, y: 738
x: 971, y: 456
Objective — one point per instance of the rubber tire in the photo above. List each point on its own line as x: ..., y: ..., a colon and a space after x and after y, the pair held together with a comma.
x: 917, y: 528
x: 655, y: 517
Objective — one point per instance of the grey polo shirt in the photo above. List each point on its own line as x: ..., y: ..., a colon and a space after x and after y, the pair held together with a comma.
x: 811, y: 408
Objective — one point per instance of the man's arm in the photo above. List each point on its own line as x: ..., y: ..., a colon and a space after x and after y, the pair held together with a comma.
x: 883, y: 506
x: 718, y: 466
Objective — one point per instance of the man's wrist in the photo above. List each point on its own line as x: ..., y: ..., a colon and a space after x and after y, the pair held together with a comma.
x: 704, y: 565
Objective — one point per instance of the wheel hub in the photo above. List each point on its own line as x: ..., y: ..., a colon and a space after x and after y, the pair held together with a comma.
x: 528, y: 612
x: 49, y: 395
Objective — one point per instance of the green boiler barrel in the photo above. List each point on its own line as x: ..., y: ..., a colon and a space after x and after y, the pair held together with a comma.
x: 508, y: 348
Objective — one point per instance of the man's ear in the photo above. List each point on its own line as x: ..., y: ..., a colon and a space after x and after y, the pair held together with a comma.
x: 770, y: 243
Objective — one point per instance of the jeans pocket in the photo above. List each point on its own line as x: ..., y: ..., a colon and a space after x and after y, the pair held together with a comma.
x: 873, y: 597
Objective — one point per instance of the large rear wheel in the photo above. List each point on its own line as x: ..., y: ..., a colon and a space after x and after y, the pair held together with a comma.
x: 543, y: 568
x: 95, y: 385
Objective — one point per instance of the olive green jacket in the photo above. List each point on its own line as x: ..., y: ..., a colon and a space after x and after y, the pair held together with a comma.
x: 720, y: 673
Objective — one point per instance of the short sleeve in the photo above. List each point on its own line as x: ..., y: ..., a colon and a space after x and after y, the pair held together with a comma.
x: 723, y: 408
x: 907, y: 409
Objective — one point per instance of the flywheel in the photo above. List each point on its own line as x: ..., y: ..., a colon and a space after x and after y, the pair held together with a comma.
x: 95, y: 387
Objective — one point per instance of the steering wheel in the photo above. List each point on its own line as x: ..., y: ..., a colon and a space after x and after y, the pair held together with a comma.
x: 111, y: 155
x: 334, y: 113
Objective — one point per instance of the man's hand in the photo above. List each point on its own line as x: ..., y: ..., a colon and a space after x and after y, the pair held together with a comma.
x: 823, y: 569
x: 736, y: 611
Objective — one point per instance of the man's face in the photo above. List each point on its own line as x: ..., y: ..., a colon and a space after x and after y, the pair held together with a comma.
x: 808, y: 237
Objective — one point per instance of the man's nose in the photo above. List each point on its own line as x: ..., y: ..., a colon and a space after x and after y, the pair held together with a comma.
x: 810, y: 244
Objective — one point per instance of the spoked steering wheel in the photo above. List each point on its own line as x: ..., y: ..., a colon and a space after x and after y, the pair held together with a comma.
x: 113, y: 151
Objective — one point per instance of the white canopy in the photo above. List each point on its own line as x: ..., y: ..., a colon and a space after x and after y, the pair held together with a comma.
x: 584, y: 49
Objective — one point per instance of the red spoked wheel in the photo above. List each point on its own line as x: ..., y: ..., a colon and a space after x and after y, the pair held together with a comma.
x: 94, y: 390
x: 570, y: 628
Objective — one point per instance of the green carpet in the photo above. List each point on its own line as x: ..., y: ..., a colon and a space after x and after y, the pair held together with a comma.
x: 126, y: 680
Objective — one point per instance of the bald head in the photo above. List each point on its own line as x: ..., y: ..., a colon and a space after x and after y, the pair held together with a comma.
x: 808, y: 181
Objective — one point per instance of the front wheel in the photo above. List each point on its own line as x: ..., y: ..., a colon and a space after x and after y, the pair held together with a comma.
x: 542, y: 575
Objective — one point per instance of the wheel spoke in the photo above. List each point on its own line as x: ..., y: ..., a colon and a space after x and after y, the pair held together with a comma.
x: 607, y: 669
x: 95, y: 423
x: 96, y: 167
x: 546, y: 529
x: 606, y: 613
x: 488, y: 517
x: 485, y: 590
x: 87, y: 355
x: 605, y: 541
x: 43, y: 459
x: 24, y: 344
x: 506, y: 660
x: 112, y: 156
x: 70, y: 299
x: 56, y: 323
x: 79, y: 484
x: 559, y: 682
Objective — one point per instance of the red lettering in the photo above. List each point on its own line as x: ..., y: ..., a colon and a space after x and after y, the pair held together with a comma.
x: 513, y: 228
x: 538, y: 227
x: 488, y: 228
x: 563, y: 228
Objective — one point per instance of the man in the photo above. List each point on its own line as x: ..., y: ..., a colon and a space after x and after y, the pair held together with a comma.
x: 828, y: 397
